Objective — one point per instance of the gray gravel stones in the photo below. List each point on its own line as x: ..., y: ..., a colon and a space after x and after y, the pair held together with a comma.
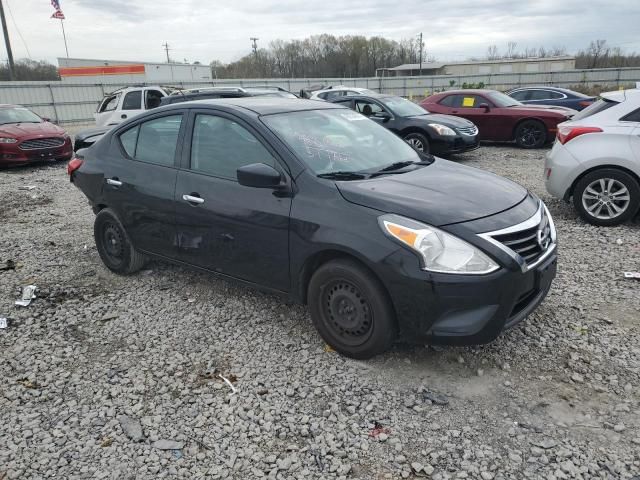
x: 95, y: 349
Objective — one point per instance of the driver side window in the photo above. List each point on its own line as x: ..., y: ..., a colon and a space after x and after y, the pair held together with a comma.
x: 368, y: 108
x: 220, y: 146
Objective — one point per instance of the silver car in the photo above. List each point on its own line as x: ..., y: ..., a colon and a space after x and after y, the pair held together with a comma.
x: 596, y: 159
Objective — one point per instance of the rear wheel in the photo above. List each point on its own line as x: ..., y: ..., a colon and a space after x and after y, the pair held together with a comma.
x: 351, y: 310
x: 607, y: 197
x: 418, y: 141
x: 113, y: 244
x: 531, y: 134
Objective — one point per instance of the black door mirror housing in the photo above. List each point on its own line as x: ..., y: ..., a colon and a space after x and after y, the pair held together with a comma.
x: 259, y: 175
x: 485, y: 106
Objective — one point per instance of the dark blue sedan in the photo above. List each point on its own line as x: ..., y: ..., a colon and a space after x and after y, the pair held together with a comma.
x: 560, y: 97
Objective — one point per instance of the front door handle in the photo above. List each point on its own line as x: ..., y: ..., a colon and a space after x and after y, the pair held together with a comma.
x: 114, y: 182
x: 193, y: 199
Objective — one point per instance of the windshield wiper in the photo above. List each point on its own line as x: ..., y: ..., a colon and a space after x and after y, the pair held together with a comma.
x: 396, y: 166
x: 342, y: 175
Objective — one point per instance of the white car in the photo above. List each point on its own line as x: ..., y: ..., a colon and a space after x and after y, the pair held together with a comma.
x: 118, y: 106
x: 332, y: 93
x: 596, y: 159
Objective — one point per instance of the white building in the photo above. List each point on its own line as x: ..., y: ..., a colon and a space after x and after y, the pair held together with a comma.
x: 80, y: 70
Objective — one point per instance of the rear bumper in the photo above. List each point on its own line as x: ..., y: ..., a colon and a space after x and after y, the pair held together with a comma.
x: 560, y: 170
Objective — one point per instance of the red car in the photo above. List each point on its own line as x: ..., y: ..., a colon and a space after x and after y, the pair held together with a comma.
x: 25, y: 137
x: 500, y: 117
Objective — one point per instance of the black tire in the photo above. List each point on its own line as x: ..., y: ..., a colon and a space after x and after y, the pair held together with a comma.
x: 113, y: 244
x: 351, y: 309
x: 418, y: 141
x: 531, y: 134
x: 588, y: 197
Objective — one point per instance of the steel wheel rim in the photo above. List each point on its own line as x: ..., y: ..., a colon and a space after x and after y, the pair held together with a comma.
x: 113, y: 243
x: 346, y: 313
x: 416, y: 143
x: 606, y: 198
x: 531, y: 135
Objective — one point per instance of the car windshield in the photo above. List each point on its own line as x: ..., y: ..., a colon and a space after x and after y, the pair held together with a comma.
x: 499, y: 99
x: 18, y: 115
x: 339, y: 140
x: 403, y: 107
x: 594, y: 108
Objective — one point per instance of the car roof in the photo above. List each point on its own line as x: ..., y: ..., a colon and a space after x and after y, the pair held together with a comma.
x: 364, y: 97
x: 622, y: 95
x: 547, y: 87
x: 470, y: 91
x: 265, y: 105
x: 8, y: 105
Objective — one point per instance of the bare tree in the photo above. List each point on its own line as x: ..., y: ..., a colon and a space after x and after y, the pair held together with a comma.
x: 492, y: 53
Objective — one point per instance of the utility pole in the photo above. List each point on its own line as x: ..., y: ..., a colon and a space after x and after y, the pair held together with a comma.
x: 420, y: 36
x: 166, y: 48
x: 7, y: 42
x: 254, y: 45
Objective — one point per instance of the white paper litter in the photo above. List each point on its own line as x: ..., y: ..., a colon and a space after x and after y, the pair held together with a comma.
x: 233, y: 389
x: 28, y: 294
x: 3, y: 323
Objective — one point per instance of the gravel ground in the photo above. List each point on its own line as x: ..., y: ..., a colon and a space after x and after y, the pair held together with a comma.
x: 111, y: 377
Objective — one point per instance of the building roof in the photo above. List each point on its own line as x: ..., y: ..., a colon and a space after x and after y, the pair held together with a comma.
x: 437, y: 65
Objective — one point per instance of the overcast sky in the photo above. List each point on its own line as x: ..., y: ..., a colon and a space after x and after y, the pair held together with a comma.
x: 204, y: 30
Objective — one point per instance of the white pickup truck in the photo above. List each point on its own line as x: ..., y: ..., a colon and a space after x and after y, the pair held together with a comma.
x: 118, y: 106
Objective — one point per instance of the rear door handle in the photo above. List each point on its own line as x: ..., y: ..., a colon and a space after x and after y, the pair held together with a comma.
x: 114, y: 182
x: 193, y: 199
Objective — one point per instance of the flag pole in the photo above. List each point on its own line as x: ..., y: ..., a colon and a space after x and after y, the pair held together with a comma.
x: 64, y: 35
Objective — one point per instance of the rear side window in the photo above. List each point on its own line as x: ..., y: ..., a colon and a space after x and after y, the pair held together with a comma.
x: 632, y: 117
x: 220, y: 146
x: 596, y: 107
x: 154, y: 141
x: 448, y: 101
x: 132, y: 100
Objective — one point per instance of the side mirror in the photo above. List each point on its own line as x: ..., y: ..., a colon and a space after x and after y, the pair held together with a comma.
x: 385, y: 116
x: 259, y: 175
x: 485, y: 106
x: 45, y: 119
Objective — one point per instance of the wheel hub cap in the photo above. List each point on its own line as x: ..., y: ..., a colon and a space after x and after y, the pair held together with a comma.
x: 605, y: 198
x: 347, y: 312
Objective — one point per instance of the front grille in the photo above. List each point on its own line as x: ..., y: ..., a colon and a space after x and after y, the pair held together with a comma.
x: 531, y: 242
x: 473, y: 130
x: 41, y: 143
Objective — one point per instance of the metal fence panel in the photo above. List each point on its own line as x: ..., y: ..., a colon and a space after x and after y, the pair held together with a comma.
x: 66, y: 102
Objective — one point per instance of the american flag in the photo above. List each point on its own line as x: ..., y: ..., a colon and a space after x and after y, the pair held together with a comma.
x: 58, y: 13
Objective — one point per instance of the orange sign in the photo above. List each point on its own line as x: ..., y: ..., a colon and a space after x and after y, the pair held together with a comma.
x: 101, y: 70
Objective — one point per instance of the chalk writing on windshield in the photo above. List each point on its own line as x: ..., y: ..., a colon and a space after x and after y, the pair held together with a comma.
x: 321, y: 149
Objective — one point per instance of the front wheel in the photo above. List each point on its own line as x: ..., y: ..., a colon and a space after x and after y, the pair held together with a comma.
x: 531, y: 134
x: 418, y: 141
x: 113, y: 244
x: 607, y: 197
x: 351, y: 309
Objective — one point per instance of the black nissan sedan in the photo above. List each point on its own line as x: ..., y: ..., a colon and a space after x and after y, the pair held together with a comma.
x: 426, y: 132
x: 316, y: 202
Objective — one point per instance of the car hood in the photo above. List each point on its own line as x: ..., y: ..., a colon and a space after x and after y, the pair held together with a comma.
x: 446, y: 120
x: 18, y: 130
x: 439, y: 194
x: 527, y: 110
x: 90, y: 132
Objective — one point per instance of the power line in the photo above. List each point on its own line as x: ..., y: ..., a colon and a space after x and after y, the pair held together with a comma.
x: 15, y: 24
x: 7, y: 42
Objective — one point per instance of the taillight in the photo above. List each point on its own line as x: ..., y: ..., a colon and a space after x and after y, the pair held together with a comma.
x: 567, y: 133
x: 585, y: 103
x: 74, y: 165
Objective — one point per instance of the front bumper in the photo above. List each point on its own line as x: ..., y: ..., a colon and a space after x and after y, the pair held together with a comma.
x: 468, y: 309
x: 13, y: 155
x: 442, y: 145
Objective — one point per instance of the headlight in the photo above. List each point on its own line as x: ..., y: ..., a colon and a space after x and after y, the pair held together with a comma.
x: 440, y: 251
x: 8, y: 140
x: 442, y: 129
